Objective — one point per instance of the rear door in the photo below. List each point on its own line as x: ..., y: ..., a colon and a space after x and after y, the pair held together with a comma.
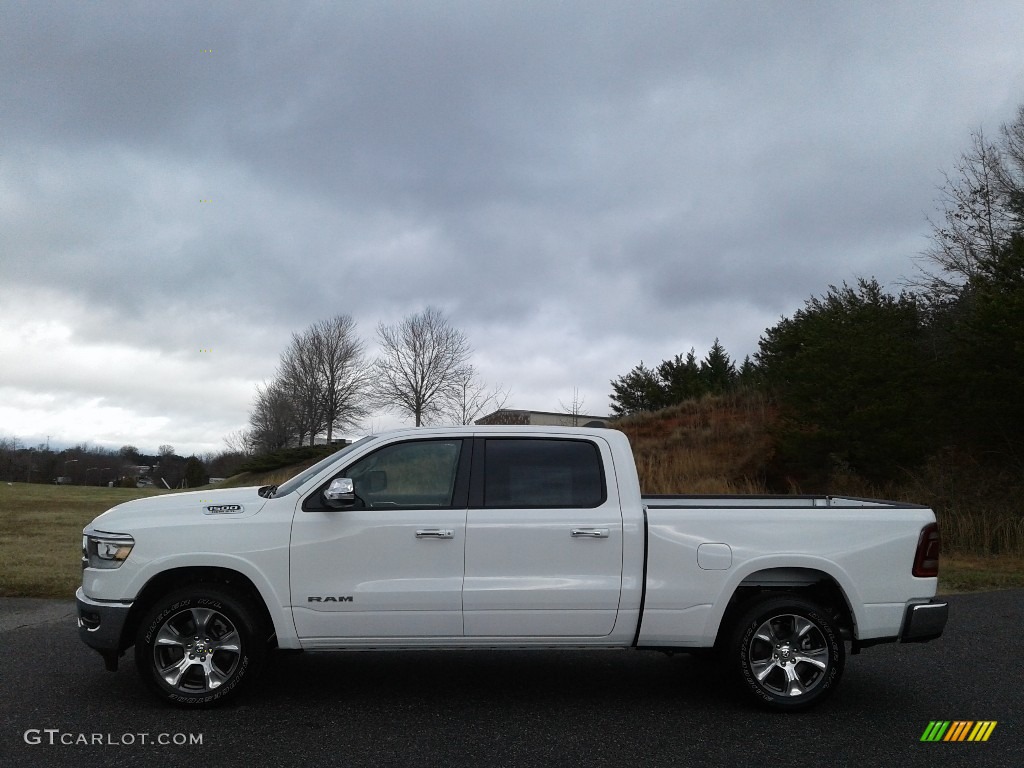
x: 543, y: 540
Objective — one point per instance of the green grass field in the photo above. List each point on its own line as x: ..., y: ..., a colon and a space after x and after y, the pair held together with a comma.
x: 41, y: 543
x: 41, y: 534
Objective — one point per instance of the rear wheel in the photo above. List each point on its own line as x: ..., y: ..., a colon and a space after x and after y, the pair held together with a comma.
x: 200, y: 645
x: 788, y: 652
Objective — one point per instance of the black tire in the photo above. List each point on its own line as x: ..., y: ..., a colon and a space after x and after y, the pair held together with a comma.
x: 787, y: 652
x: 200, y: 645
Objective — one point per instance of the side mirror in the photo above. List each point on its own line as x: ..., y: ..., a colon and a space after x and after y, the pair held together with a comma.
x: 340, y: 493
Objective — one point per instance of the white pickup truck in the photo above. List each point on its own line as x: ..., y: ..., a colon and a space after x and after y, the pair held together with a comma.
x: 501, y: 537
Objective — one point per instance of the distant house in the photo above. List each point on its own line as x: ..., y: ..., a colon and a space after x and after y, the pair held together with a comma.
x: 544, y: 418
x: 141, y: 473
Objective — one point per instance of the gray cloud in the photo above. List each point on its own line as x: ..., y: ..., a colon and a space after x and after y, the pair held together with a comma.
x: 580, y: 185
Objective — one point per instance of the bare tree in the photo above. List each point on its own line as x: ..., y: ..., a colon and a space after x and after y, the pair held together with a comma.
x: 240, y: 441
x: 272, y: 421
x: 298, y: 375
x: 574, y: 409
x: 321, y: 385
x: 1012, y: 170
x: 472, y: 397
x: 423, y: 359
x: 344, y: 375
x: 982, y: 204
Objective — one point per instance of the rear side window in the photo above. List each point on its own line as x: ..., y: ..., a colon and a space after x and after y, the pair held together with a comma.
x: 542, y: 473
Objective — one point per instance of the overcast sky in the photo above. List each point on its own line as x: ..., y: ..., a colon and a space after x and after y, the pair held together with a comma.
x: 579, y: 185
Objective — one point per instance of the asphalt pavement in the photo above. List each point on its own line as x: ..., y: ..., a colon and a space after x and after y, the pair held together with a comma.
x: 519, y: 708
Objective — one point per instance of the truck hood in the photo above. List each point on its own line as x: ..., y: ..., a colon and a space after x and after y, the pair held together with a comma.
x: 228, y: 502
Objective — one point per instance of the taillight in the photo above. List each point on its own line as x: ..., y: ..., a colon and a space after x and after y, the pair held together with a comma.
x: 926, y: 559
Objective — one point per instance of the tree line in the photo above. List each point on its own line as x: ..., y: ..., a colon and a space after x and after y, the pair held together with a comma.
x: 326, y: 384
x: 678, y: 379
x: 876, y: 382
x: 123, y: 467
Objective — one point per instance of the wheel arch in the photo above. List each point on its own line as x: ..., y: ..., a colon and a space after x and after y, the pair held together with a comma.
x: 807, y: 581
x: 175, y: 578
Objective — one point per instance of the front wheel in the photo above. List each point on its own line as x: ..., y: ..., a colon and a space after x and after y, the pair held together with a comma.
x: 788, y: 652
x: 200, y: 645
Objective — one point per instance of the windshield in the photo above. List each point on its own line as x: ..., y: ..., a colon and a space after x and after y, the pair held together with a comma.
x: 287, y: 487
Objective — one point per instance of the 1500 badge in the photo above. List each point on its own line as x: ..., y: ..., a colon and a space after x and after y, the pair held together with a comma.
x: 224, y: 509
x: 329, y: 599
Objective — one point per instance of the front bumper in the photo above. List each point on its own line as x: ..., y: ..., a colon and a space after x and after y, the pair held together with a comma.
x: 101, y: 626
x: 924, y: 621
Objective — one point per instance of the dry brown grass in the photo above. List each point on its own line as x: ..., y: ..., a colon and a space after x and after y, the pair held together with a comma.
x: 717, y: 444
x: 975, y: 532
x: 979, y: 508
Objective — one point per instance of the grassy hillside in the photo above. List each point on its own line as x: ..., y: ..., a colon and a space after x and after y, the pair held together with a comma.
x: 270, y: 477
x: 276, y: 467
x: 717, y: 444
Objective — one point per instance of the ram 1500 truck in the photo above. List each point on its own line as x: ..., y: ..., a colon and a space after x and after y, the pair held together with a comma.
x: 501, y: 537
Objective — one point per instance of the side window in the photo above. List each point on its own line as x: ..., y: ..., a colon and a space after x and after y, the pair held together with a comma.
x: 542, y: 473
x: 415, y: 474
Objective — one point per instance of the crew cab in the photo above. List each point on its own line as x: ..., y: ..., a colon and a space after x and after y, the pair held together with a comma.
x: 502, y: 537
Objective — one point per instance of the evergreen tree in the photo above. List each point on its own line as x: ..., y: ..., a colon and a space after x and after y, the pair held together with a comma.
x: 985, y: 373
x: 195, y: 472
x: 674, y: 381
x: 680, y: 378
x: 717, y: 371
x: 849, y: 372
x: 749, y: 374
x: 637, y: 391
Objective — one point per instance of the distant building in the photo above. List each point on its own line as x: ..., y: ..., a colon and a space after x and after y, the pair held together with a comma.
x: 543, y: 418
x: 141, y: 474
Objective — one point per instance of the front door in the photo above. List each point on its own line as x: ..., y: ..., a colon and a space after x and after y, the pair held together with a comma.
x: 392, y: 565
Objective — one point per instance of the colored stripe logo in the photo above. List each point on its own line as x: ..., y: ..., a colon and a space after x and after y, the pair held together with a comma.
x: 958, y: 730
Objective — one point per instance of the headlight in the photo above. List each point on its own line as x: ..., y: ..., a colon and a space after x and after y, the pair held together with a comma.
x: 105, y: 550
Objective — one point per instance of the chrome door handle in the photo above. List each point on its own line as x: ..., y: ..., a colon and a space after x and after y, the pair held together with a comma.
x: 593, y: 533
x: 434, y: 533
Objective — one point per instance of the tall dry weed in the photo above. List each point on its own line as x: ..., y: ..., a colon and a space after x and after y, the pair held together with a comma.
x: 979, y: 508
x: 716, y: 444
